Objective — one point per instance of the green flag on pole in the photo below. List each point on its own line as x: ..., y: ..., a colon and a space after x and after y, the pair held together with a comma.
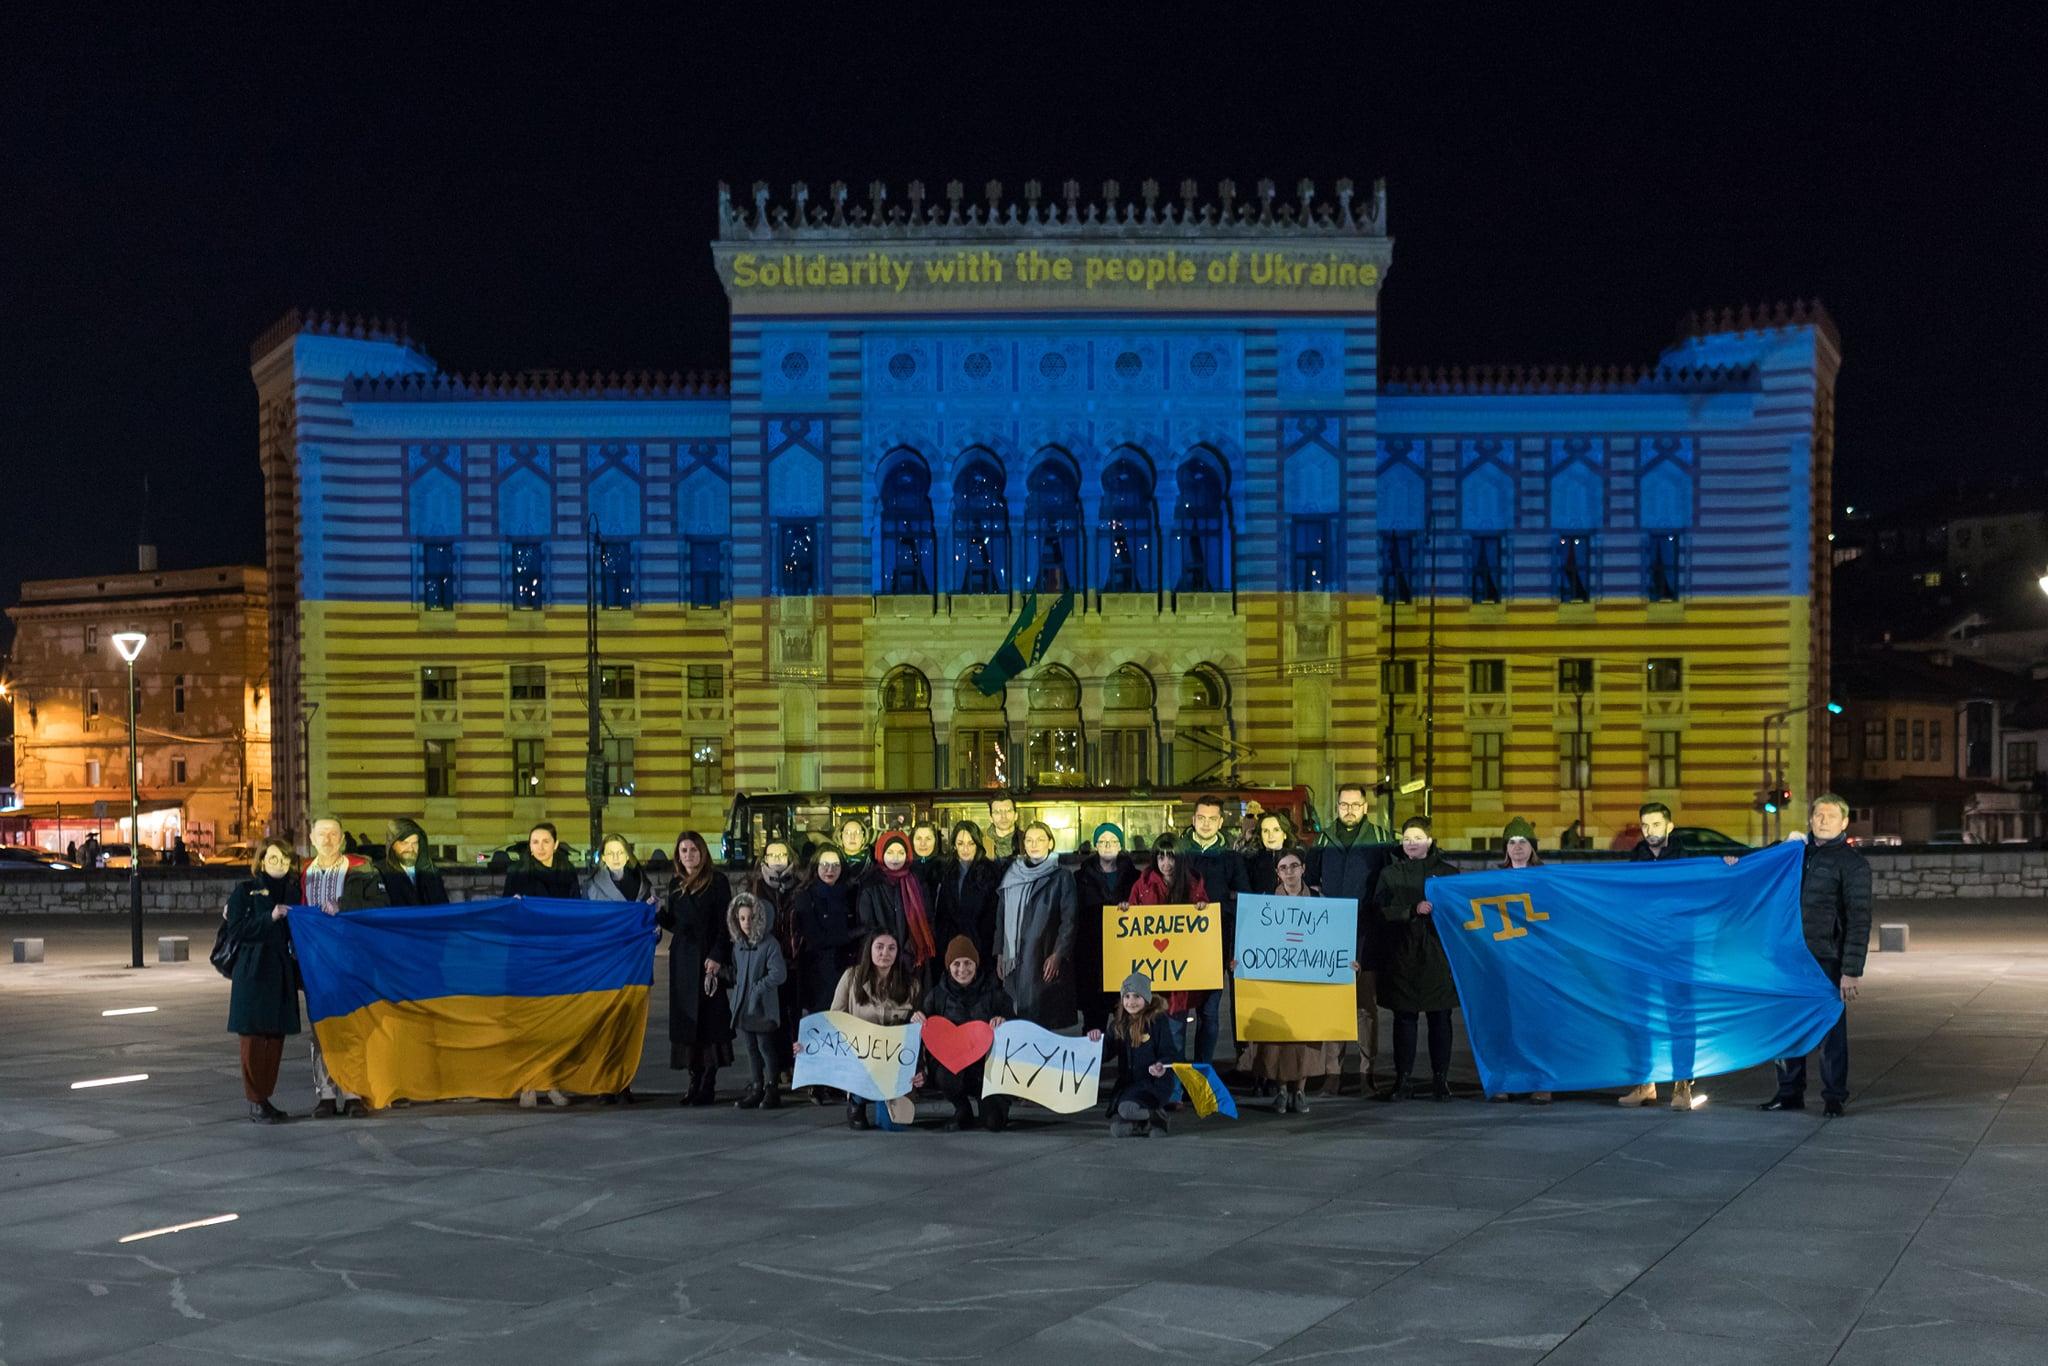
x: 1026, y: 644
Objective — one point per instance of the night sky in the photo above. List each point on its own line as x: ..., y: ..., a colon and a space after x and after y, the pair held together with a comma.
x: 1561, y: 190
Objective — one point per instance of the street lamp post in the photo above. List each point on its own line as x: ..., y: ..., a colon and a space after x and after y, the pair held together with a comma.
x: 130, y: 644
x: 1764, y: 745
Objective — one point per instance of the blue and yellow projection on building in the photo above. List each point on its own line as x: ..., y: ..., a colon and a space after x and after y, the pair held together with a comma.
x: 1178, y: 409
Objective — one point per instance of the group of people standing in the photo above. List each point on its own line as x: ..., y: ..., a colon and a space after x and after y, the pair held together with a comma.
x: 989, y: 925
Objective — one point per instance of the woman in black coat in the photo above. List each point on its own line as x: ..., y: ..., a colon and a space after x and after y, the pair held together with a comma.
x: 693, y: 912
x: 543, y: 870
x: 263, y: 1000
x: 1414, y: 977
x: 1276, y: 836
x: 825, y: 930
x: 1104, y: 880
x: 966, y: 898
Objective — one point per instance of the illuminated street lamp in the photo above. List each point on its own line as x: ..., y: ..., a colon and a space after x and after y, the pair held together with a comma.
x: 130, y: 644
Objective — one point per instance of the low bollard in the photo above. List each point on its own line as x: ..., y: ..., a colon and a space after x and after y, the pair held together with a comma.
x: 1893, y: 938
x: 173, y: 948
x: 28, y: 950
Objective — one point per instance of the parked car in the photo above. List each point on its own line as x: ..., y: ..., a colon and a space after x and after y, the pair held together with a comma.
x: 117, y: 856
x: 22, y: 856
x: 1689, y: 841
x: 237, y: 855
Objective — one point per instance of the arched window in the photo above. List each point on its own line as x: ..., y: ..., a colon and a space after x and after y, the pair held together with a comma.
x: 1198, y: 528
x: 906, y: 536
x: 981, y: 735
x: 1124, y: 541
x: 1053, y: 527
x: 1201, y: 734
x: 1130, y: 731
x: 907, y: 746
x: 1053, y: 752
x: 981, y: 530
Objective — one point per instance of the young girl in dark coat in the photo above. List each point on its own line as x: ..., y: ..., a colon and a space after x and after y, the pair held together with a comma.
x: 693, y: 911
x: 263, y: 1001
x: 1145, y: 1052
x: 774, y: 885
x: 754, y: 978
x: 1171, y: 881
x: 966, y: 902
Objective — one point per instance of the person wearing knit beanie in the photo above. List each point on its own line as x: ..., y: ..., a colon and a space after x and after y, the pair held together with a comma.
x: 960, y: 946
x: 1138, y: 984
x: 1108, y: 828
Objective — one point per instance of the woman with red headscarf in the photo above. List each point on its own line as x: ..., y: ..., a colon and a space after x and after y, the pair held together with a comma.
x: 895, y: 901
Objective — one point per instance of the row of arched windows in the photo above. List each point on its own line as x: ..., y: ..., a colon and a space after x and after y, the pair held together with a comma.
x: 975, y: 550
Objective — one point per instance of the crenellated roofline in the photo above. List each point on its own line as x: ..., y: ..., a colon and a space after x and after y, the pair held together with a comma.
x: 1567, y: 379
x: 354, y: 326
x: 442, y: 387
x: 1111, y: 218
x: 1710, y: 322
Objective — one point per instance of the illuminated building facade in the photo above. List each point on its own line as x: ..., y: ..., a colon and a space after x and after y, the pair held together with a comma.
x: 1292, y: 564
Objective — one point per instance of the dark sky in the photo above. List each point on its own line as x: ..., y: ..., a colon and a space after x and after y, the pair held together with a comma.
x: 1563, y: 188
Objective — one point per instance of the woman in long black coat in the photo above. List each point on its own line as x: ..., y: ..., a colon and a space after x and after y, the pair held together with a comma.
x: 693, y: 912
x: 824, y: 930
x: 1414, y: 977
x: 966, y: 900
x: 1106, y: 879
x: 263, y: 1000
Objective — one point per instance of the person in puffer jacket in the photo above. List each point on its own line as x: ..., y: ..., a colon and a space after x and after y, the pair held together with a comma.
x: 962, y: 994
x: 754, y: 981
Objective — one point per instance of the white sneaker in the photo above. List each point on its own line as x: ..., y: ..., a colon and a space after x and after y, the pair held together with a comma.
x: 1300, y: 1101
x: 557, y: 1098
x: 528, y: 1099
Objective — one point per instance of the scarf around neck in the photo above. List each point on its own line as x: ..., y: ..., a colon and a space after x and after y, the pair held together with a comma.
x: 1018, y: 881
x: 910, y: 894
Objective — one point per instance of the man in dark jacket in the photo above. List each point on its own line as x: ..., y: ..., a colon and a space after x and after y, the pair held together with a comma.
x: 1658, y: 844
x: 1349, y: 859
x: 1834, y: 911
x: 1213, y: 858
x: 403, y: 877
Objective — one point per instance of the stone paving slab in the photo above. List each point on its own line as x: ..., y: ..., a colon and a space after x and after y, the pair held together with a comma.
x: 1490, y: 1234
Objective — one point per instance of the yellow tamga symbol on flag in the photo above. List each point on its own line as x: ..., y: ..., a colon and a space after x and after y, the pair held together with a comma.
x: 1503, y: 903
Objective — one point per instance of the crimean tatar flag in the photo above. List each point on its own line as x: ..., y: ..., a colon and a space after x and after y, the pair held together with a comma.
x: 481, y: 998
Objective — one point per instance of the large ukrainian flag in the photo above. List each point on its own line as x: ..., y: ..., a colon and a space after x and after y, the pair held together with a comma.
x: 482, y: 998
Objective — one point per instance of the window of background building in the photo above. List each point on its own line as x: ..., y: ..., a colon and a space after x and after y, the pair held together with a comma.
x: 529, y: 682
x: 796, y: 558
x: 981, y: 742
x: 1899, y: 743
x: 2022, y: 759
x: 437, y: 683
x: 1198, y: 526
x: 1401, y: 757
x: 92, y: 639
x: 1575, y: 569
x: 1053, y: 527
x: 1126, y: 536
x: 618, y: 764
x: 178, y: 694
x: 1315, y: 563
x: 615, y: 574
x: 1397, y: 677
x: 529, y: 575
x: 178, y: 770
x: 439, y: 757
x: 705, y: 778
x: 1053, y: 746
x: 1873, y: 738
x: 1489, y: 577
x: 1919, y: 740
x: 1665, y: 675
x: 909, y: 750
x: 707, y: 573
x: 1126, y: 747
x: 177, y: 635
x: 529, y: 768
x: 1574, y: 676
x: 92, y: 708
x: 1664, y: 772
x: 1397, y: 566
x: 906, y: 528
x: 92, y: 773
x: 1574, y: 760
x: 1663, y: 557
x: 1489, y: 676
x: 981, y: 530
x: 1486, y: 748
x: 1934, y: 742
x: 707, y: 682
x: 615, y: 682
x: 437, y: 576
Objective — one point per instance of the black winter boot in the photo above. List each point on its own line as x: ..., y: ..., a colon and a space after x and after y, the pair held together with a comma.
x: 1399, y: 1090
x: 771, y: 1099
x: 1439, y: 1087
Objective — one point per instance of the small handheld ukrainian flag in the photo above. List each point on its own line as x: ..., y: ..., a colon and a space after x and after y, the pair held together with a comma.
x: 1026, y: 644
x: 1206, y: 1089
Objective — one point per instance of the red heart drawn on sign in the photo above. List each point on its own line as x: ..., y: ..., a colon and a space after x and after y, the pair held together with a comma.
x: 957, y: 1047
x: 1160, y: 944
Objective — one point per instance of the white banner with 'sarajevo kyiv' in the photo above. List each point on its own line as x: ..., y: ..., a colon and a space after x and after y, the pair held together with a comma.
x: 848, y: 1054
x: 1057, y: 1071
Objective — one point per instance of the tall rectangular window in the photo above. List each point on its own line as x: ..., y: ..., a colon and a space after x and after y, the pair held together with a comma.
x: 2022, y: 760
x: 1397, y: 566
x: 1664, y: 759
x: 1873, y: 738
x: 178, y: 694
x: 1575, y: 569
x: 1489, y: 569
x: 1126, y: 755
x: 1664, y: 558
x: 1574, y: 676
x: 1486, y: 748
x: 178, y: 770
x: 529, y: 682
x: 615, y: 574
x: 437, y: 576
x: 1899, y: 746
x: 615, y: 682
x: 437, y: 683
x: 92, y: 708
x: 705, y: 776
x: 1977, y: 734
x: 618, y: 765
x: 1664, y: 675
x: 1397, y: 677
x: 707, y: 573
x: 1920, y: 740
x: 92, y: 639
x: 529, y: 768
x: 92, y: 773
x: 439, y: 759
x: 177, y: 635
x: 1315, y: 560
x: 1574, y: 760
x: 1401, y: 755
x: 1489, y: 676
x: 529, y: 575
x: 707, y: 682
x: 1934, y: 742
x: 978, y: 758
x: 796, y: 558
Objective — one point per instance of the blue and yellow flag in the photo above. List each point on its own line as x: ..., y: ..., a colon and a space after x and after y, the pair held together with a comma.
x: 482, y: 998
x: 1582, y: 976
x: 1037, y: 624
x: 1206, y: 1090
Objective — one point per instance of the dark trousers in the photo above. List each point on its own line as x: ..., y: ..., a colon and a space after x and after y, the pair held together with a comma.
x: 1439, y: 1042
x: 764, y: 1052
x: 1834, y: 1067
x: 261, y: 1053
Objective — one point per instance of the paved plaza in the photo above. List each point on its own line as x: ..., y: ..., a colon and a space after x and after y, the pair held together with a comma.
x: 1418, y: 1233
